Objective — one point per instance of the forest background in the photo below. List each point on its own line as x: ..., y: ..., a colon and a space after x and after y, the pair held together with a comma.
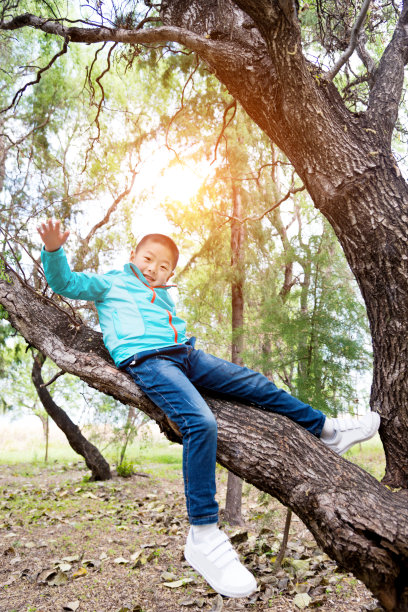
x: 146, y: 144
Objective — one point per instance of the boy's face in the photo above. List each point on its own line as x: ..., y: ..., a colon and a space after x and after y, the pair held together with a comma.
x: 155, y: 261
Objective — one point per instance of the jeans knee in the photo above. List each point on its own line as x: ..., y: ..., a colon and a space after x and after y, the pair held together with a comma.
x: 208, y: 425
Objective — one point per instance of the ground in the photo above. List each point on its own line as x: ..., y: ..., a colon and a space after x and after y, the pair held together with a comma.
x: 117, y: 546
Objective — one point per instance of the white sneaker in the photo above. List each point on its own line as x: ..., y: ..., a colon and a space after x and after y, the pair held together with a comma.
x: 350, y: 430
x: 216, y: 560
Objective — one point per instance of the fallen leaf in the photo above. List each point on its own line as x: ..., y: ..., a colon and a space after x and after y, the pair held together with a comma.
x: 168, y: 576
x: 121, y: 561
x: 239, y: 536
x: 71, y: 559
x: 90, y: 495
x: 58, y: 579
x: 178, y: 583
x: 95, y: 563
x: 45, y: 575
x: 302, y: 600
x: 71, y: 606
x: 218, y: 604
x: 82, y: 571
x: 300, y: 565
x: 193, y: 602
x: 64, y: 567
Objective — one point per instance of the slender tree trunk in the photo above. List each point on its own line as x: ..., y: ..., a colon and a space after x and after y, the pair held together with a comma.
x: 233, y: 504
x: 47, y: 437
x: 281, y: 554
x: 128, y: 432
x: 45, y: 427
x: 3, y: 154
x: 93, y: 458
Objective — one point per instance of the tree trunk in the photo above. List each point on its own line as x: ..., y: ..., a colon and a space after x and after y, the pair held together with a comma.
x: 127, y: 432
x: 233, y: 503
x: 95, y: 462
x: 46, y: 430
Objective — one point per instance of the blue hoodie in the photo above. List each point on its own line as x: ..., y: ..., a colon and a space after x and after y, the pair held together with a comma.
x: 133, y: 316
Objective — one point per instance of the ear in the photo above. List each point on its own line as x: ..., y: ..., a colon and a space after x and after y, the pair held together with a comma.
x: 132, y: 256
x: 169, y: 276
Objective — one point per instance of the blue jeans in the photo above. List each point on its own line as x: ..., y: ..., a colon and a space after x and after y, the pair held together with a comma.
x: 169, y: 377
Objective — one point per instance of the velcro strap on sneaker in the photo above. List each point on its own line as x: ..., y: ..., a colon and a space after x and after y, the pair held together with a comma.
x: 209, y: 545
x: 223, y: 553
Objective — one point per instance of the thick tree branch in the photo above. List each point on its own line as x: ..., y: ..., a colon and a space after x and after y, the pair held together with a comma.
x: 266, y: 13
x: 364, y: 55
x: 119, y: 35
x: 366, y: 532
x: 353, y: 41
x: 385, y: 94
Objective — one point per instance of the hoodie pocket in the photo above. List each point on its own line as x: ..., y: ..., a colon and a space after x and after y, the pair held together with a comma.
x: 128, y: 324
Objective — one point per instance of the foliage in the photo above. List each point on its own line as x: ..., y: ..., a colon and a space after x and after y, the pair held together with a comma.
x: 109, y: 124
x: 126, y: 469
x: 305, y: 323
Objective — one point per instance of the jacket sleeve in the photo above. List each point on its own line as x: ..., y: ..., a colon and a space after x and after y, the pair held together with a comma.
x: 76, y: 285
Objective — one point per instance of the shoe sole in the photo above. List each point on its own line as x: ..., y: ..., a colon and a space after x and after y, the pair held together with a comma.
x: 213, y: 585
x: 368, y: 437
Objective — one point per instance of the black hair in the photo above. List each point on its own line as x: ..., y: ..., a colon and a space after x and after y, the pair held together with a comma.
x: 165, y: 241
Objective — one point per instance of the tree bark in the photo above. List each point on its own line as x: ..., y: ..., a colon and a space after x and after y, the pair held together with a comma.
x: 130, y: 421
x: 359, y: 522
x: 95, y: 462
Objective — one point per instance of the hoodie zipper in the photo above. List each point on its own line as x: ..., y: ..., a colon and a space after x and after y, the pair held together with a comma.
x: 153, y: 299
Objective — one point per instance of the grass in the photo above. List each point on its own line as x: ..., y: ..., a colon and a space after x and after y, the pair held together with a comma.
x: 369, y: 456
x: 159, y: 456
x: 22, y: 446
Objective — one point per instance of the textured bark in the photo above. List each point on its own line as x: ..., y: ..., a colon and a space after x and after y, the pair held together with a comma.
x: 359, y: 522
x: 94, y: 460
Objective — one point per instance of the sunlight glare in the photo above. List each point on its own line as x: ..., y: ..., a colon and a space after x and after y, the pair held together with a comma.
x: 178, y: 183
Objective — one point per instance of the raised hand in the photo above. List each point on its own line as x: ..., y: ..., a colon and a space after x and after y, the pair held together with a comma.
x: 51, y: 234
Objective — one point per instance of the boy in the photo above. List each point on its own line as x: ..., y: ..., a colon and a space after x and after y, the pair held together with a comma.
x: 146, y: 338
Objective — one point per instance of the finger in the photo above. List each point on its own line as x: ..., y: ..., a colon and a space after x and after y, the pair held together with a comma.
x: 64, y: 236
